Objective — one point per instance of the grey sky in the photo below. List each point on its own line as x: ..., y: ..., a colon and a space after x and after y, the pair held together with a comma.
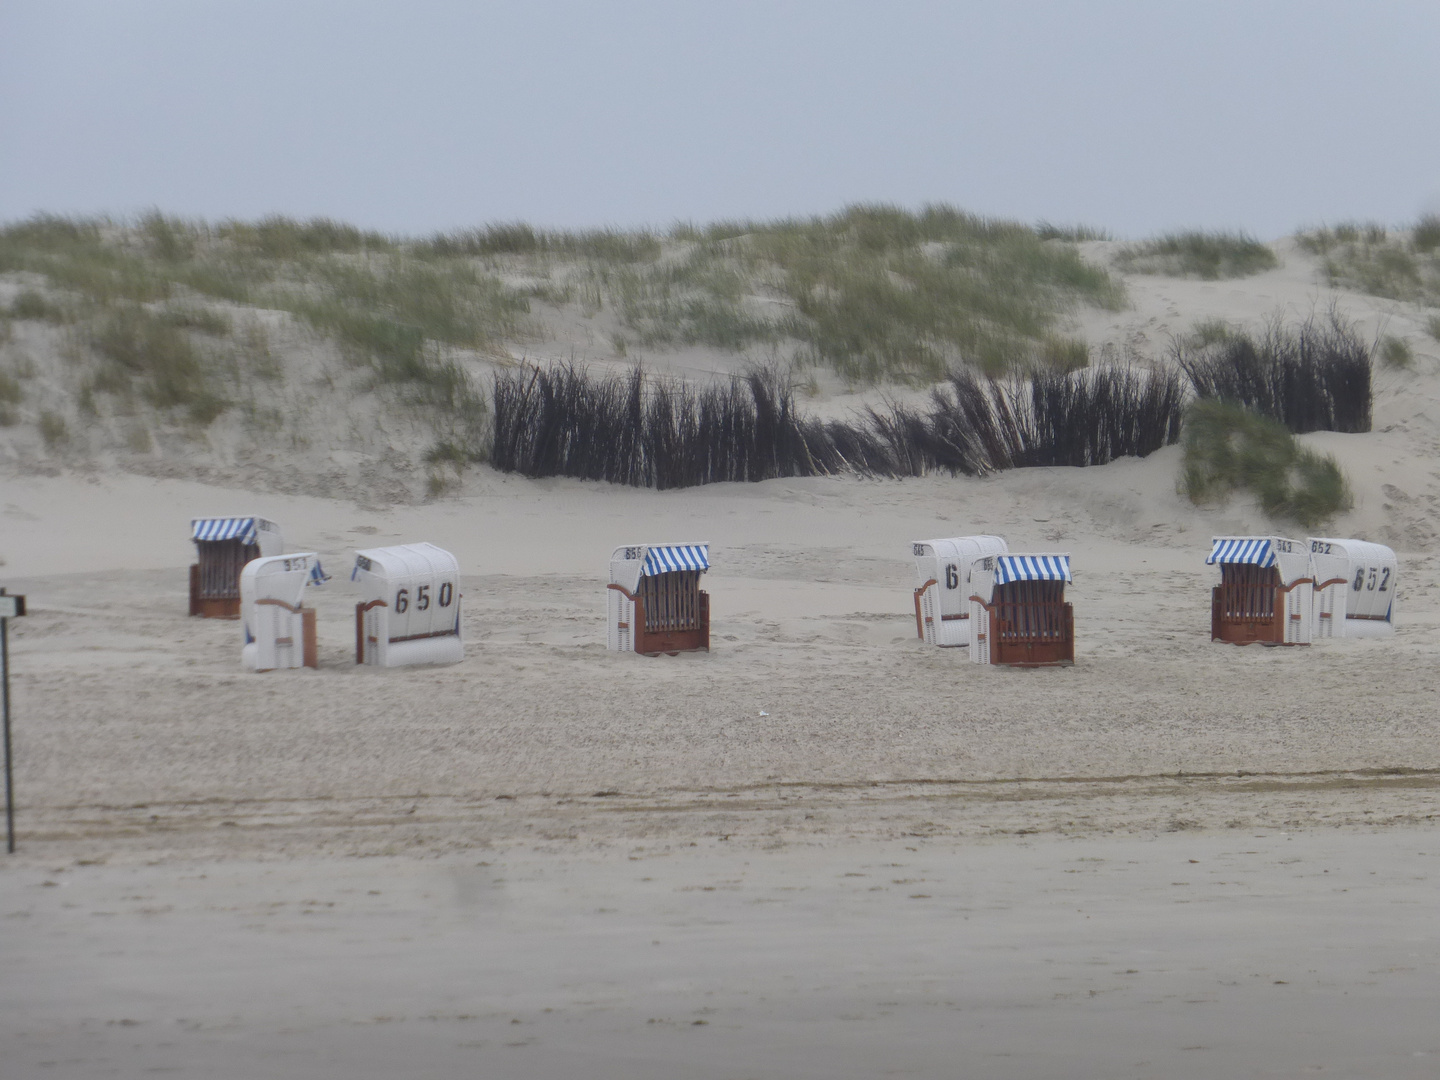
x: 417, y: 116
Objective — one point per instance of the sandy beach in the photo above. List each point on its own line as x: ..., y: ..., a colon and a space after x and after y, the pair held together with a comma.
x: 1234, y: 952
x: 463, y: 870
x: 822, y: 849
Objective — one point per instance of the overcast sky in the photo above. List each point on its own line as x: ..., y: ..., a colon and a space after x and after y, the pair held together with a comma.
x: 417, y: 116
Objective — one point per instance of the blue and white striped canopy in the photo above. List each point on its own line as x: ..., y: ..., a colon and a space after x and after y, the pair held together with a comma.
x: 238, y: 528
x: 1242, y: 549
x: 1010, y: 568
x: 663, y: 560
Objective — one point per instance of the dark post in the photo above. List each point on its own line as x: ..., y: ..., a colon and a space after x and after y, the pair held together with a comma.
x: 5, y: 694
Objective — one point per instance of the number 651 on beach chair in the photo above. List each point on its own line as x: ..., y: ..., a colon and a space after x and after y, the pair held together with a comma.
x: 279, y: 628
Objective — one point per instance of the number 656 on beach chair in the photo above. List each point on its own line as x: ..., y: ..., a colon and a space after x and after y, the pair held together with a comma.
x: 654, y: 603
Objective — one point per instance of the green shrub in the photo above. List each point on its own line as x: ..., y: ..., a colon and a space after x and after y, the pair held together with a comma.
x: 1396, y: 353
x: 1072, y: 234
x: 1369, y: 259
x: 1207, y: 332
x: 138, y: 347
x: 30, y: 304
x: 1064, y: 354
x: 1208, y: 255
x: 52, y: 429
x: 1426, y: 237
x: 1229, y: 448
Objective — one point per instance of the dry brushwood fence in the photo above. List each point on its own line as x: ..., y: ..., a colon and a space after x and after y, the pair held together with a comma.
x: 1312, y: 378
x: 653, y: 432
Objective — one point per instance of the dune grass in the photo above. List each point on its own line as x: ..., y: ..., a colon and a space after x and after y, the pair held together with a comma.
x: 607, y: 246
x: 11, y: 395
x: 53, y: 429
x: 1206, y: 255
x: 138, y: 293
x: 30, y: 304
x: 1071, y: 234
x: 143, y: 351
x: 875, y: 293
x: 1399, y: 264
x: 1229, y: 448
x: 1396, y: 353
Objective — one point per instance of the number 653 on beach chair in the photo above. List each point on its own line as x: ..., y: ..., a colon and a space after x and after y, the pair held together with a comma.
x: 942, y: 594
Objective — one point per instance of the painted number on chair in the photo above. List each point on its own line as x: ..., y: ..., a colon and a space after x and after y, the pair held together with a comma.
x: 952, y: 576
x: 444, y: 596
x: 1371, y: 579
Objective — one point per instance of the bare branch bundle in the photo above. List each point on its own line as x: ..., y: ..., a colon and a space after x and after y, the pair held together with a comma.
x: 661, y: 433
x: 628, y: 429
x: 1312, y: 378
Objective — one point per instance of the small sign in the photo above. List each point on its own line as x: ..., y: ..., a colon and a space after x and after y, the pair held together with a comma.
x: 11, y: 607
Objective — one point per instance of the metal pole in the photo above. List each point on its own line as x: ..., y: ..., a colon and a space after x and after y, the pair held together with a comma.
x: 5, y: 693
